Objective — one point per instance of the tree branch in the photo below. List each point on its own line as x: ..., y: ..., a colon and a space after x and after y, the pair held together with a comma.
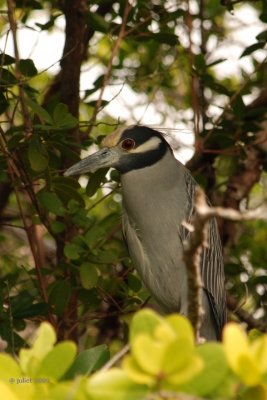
x: 193, y: 249
x: 244, y: 316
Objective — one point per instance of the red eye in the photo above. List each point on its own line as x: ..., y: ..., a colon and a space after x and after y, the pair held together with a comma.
x: 128, y: 144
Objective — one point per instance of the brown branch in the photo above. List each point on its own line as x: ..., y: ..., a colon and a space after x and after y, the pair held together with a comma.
x: 244, y: 316
x: 230, y: 213
x: 33, y: 239
x: 69, y: 79
x: 192, y: 254
x: 114, y: 51
x: 192, y: 258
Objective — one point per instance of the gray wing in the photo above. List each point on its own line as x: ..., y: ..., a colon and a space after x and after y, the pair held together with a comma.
x: 212, y: 267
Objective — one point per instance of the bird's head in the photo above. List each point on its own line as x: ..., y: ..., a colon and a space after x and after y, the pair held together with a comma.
x: 126, y: 150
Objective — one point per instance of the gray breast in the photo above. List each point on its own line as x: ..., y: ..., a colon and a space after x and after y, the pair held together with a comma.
x: 154, y: 203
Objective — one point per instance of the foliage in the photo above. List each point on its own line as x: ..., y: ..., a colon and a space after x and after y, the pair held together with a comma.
x: 63, y: 259
x: 210, y: 370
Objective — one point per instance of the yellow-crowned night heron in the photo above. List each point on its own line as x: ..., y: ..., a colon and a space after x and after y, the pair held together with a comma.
x: 158, y: 195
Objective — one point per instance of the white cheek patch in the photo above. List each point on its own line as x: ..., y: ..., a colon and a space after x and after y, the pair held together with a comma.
x: 151, y: 144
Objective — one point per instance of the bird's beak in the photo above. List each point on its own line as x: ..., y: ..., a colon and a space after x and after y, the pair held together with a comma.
x: 104, y: 158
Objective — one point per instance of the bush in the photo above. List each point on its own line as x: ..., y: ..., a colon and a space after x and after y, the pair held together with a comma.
x: 163, y: 363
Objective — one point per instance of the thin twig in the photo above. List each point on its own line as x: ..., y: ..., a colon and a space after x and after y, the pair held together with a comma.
x: 10, y: 320
x: 244, y: 316
x: 116, y: 358
x: 194, y: 79
x: 233, y: 99
x: 110, y: 62
x: 13, y: 27
x: 30, y: 230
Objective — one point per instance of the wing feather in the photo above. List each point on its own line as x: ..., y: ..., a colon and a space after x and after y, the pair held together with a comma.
x: 212, y: 267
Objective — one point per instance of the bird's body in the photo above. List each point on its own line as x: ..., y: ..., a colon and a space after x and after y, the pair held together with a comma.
x: 160, y: 253
x: 158, y: 196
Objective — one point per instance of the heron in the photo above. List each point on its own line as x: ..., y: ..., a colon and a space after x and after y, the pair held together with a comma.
x: 157, y: 198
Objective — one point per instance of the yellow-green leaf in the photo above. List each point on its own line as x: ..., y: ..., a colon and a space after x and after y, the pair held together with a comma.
x: 194, y: 367
x: 134, y: 372
x: 177, y: 355
x: 88, y: 275
x: 248, y: 370
x: 43, y: 343
x: 145, y: 321
x: 7, y: 393
x: 57, y: 361
x: 235, y: 344
x: 259, y: 349
x: 213, y: 373
x: 114, y: 384
x: 148, y: 353
x: 8, y: 368
x: 38, y: 156
x: 182, y: 327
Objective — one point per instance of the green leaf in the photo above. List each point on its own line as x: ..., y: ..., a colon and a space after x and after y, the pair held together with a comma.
x: 88, y: 361
x: 3, y: 103
x: 57, y: 226
x: 7, y: 78
x: 51, y: 202
x: 7, y: 393
x: 145, y: 321
x: 95, y: 181
x: 63, y: 118
x: 150, y: 360
x: 33, y: 310
x: 38, y: 156
x: 66, y: 180
x: 200, y: 63
x: 250, y: 49
x: 43, y: 343
x: 5, y: 59
x: 40, y: 111
x: 97, y: 22
x: 88, y: 275
x: 239, y: 107
x: 73, y: 251
x: 49, y: 24
x: 94, y: 234
x: 262, y: 36
x: 66, y: 391
x: 67, y: 189
x: 105, y: 257
x: 134, y: 283
x: 27, y: 67
x: 167, y: 38
x: 8, y: 368
x: 214, y: 371
x: 57, y: 361
x: 114, y: 384
x: 67, y: 193
x: 59, y: 296
x: 216, y: 62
